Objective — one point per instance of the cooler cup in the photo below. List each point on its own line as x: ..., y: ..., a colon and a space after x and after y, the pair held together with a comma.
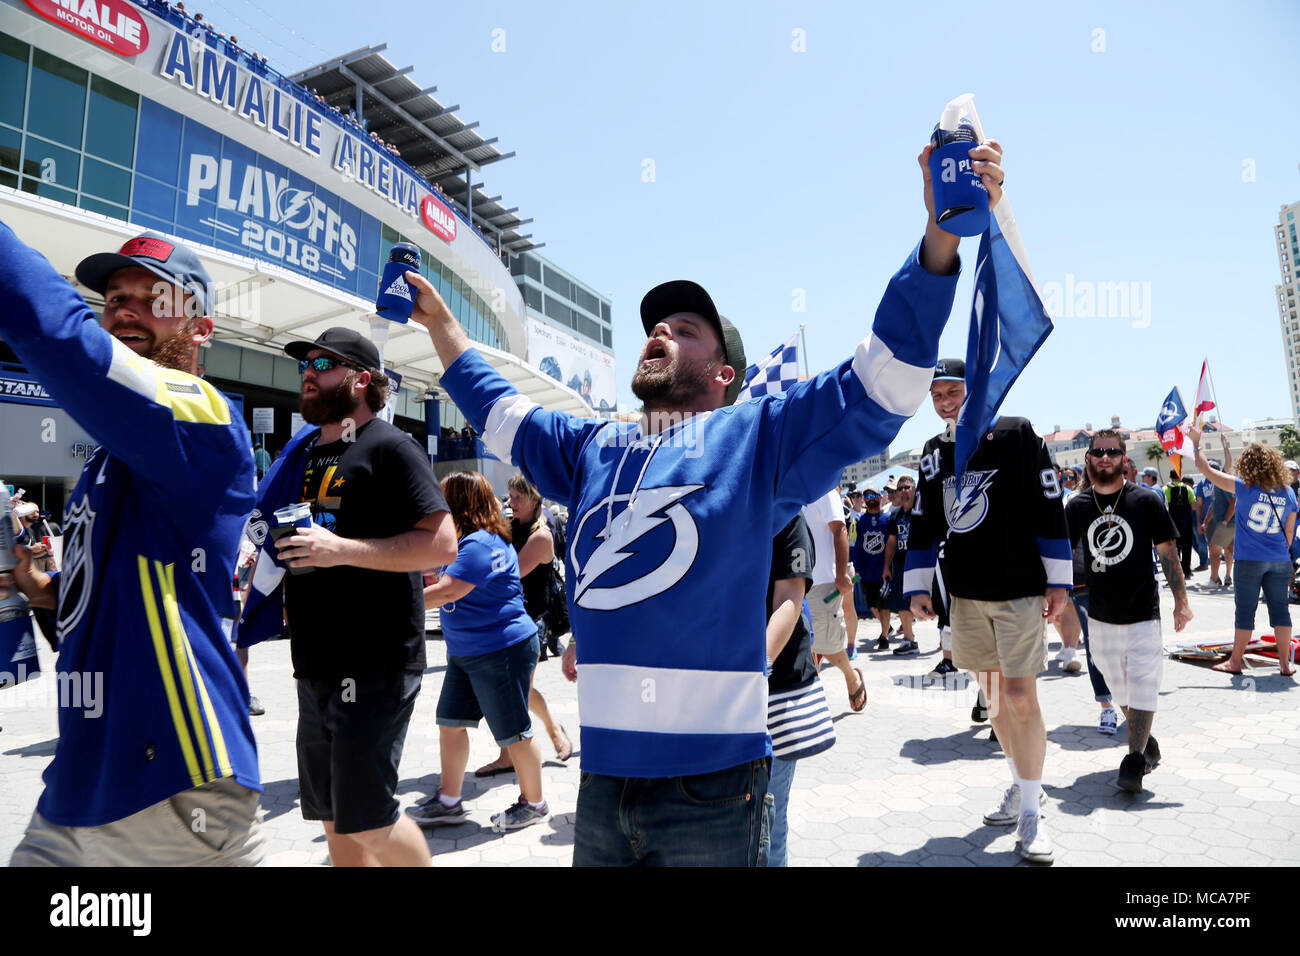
x: 18, y: 660
x: 961, y: 203
x: 286, y: 520
x: 396, y: 297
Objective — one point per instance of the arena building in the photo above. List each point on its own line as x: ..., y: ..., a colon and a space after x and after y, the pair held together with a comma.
x: 117, y: 117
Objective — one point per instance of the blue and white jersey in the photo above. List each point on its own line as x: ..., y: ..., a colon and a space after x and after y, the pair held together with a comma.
x: 1261, y: 528
x: 150, y: 537
x: 665, y: 585
x: 868, y: 550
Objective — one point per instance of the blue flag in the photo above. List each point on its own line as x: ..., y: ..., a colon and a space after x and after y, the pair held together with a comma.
x: 1172, y: 413
x: 777, y: 373
x: 1008, y: 325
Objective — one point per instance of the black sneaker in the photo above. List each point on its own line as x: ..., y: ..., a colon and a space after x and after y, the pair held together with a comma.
x: 943, y: 669
x: 979, y: 713
x: 907, y: 647
x: 1151, y: 755
x: 993, y: 736
x: 882, y: 643
x: 1130, y: 773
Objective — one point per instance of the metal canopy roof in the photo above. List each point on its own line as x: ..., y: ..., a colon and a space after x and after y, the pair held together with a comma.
x: 430, y: 137
x: 278, y: 306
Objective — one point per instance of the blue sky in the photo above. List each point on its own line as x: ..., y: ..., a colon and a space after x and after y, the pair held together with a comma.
x: 1154, y: 153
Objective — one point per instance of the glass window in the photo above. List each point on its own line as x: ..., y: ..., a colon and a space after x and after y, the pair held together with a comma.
x: 604, y: 311
x: 10, y: 143
x: 105, y: 181
x: 606, y: 338
x: 110, y: 127
x: 533, y: 268
x: 58, y: 99
x: 533, y: 297
x: 48, y: 191
x: 106, y: 208
x: 52, y: 164
x: 13, y: 80
x: 9, y: 179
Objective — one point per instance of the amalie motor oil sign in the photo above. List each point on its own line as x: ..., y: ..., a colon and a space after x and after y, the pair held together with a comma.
x: 114, y: 24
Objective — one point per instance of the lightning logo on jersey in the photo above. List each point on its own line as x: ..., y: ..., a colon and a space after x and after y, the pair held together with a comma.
x: 968, y: 507
x: 627, y: 535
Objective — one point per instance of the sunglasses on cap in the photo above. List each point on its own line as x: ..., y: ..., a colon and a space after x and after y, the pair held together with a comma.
x: 1106, y: 452
x: 871, y: 496
x: 324, y: 363
x: 1070, y: 476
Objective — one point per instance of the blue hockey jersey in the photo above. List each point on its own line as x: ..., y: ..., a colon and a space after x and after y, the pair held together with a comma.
x: 153, y: 699
x: 665, y: 586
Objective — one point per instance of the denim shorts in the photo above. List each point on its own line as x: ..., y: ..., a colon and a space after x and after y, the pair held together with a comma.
x: 1274, y: 577
x: 494, y: 686
x: 723, y: 818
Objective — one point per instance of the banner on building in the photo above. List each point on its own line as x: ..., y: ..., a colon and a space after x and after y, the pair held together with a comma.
x: 584, y: 367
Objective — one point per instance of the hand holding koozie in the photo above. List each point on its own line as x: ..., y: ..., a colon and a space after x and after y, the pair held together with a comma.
x: 961, y: 202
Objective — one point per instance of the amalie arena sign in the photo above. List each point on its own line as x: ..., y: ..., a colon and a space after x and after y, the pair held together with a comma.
x: 114, y: 24
x: 264, y: 105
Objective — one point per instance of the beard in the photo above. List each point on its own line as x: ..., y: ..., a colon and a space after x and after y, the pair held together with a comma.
x: 676, y: 383
x: 1106, y: 475
x: 176, y: 351
x: 329, y: 405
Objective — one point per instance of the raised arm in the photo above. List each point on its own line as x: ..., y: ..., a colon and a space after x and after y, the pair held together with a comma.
x: 1218, y: 478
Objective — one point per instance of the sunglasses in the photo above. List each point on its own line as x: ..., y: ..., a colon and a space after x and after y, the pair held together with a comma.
x: 1105, y: 453
x: 323, y: 363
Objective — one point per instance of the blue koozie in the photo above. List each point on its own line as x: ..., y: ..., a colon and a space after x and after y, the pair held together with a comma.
x: 395, y: 294
x: 18, y: 660
x: 961, y: 203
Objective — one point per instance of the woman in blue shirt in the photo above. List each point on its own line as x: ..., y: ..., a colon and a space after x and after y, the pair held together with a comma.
x: 1266, y: 514
x: 492, y: 648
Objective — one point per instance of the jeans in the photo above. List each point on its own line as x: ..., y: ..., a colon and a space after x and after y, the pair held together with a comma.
x: 1202, y: 544
x: 1100, y: 691
x: 723, y: 818
x: 1274, y: 577
x: 779, y: 788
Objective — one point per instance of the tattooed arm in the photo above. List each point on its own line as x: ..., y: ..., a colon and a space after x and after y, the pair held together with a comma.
x: 1168, y: 551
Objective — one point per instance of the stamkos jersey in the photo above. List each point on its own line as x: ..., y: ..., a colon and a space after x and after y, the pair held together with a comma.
x: 664, y: 584
x: 1002, y: 535
x: 153, y: 701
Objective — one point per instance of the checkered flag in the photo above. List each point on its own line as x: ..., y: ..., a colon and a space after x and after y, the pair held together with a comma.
x: 774, y: 374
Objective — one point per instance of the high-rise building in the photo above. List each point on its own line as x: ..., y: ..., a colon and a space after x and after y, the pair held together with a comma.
x: 860, y: 470
x: 1288, y: 260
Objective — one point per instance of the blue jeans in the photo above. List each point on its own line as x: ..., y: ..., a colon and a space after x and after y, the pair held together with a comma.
x: 1200, y: 542
x: 779, y: 788
x: 1100, y: 691
x: 722, y: 818
x: 493, y: 685
x: 1274, y: 577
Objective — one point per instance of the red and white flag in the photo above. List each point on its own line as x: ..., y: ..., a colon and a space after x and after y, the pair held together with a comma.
x: 1203, y: 402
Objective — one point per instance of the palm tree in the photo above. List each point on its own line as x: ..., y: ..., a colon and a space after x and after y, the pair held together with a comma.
x: 1156, y: 453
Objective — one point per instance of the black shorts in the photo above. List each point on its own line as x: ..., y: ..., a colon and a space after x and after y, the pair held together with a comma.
x: 350, y: 737
x: 939, y: 601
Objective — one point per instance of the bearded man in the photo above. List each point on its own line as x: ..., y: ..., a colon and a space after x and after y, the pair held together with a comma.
x: 160, y: 730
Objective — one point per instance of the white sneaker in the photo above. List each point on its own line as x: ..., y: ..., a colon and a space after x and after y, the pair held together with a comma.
x: 1033, y: 843
x: 1069, y: 659
x: 1109, y: 722
x: 1008, y: 811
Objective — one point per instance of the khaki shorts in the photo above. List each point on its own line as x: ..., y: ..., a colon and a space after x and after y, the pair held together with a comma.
x: 830, y: 635
x: 1006, y: 636
x: 1221, y: 535
x: 217, y: 824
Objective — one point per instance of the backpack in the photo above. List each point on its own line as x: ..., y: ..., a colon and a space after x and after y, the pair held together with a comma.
x: 557, y: 605
x: 1180, y: 504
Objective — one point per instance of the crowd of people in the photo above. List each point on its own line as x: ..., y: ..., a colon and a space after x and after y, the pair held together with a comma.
x: 691, y: 726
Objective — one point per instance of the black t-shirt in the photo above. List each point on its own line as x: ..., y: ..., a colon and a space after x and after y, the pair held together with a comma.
x: 900, y: 526
x: 1118, y: 531
x: 536, y: 583
x: 355, y: 622
x: 792, y: 557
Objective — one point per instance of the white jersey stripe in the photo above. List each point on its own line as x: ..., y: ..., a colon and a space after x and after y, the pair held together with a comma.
x: 891, y: 383
x: 662, y: 700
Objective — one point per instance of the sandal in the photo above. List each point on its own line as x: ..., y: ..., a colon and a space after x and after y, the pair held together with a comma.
x: 858, y: 699
x: 495, y: 768
x: 563, y: 753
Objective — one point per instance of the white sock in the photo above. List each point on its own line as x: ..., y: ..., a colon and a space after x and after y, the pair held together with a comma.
x: 447, y: 801
x: 1030, y: 793
x: 536, y: 806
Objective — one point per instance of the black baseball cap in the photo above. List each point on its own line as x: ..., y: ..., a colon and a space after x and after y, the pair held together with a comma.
x: 949, y: 370
x: 683, y: 295
x: 164, y: 258
x: 345, y: 343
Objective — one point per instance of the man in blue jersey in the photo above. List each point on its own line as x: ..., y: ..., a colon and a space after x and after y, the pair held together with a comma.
x: 665, y: 587
x: 167, y: 773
